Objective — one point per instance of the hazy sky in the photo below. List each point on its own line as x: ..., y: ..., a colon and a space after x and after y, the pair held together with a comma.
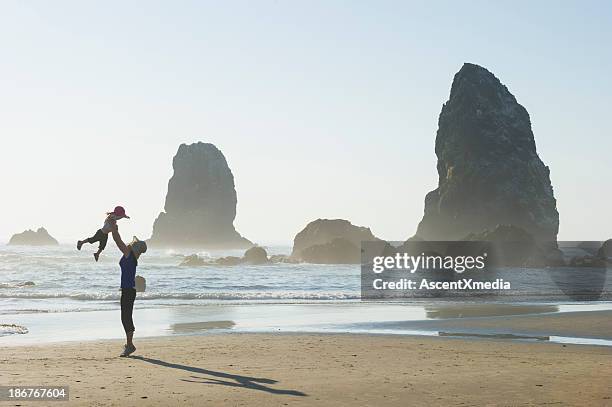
x: 322, y: 108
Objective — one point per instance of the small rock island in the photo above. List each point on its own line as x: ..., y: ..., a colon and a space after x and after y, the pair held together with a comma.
x: 40, y: 237
x: 331, y: 241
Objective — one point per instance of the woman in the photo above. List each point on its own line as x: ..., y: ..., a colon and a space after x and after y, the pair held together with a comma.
x: 128, y: 264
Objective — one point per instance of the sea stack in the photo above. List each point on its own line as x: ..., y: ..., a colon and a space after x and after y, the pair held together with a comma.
x: 31, y: 238
x: 201, y: 202
x: 489, y: 172
x: 331, y: 241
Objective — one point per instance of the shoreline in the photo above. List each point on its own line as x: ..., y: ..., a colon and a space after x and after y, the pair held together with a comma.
x: 578, y: 324
x: 258, y: 369
x: 442, y: 335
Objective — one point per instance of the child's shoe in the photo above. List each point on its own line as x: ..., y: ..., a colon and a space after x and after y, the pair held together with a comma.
x: 79, y: 245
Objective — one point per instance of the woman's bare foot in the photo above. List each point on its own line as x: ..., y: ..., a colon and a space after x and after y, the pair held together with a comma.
x: 96, y: 255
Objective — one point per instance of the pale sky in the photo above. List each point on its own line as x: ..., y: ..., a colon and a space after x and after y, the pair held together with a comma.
x: 322, y: 108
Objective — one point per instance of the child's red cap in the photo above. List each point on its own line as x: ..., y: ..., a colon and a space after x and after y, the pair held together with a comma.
x: 120, y: 212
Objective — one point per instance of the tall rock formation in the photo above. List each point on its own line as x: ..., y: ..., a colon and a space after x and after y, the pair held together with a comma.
x: 201, y: 202
x: 489, y: 172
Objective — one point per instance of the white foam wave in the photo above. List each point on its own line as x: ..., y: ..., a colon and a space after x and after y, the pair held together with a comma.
x: 17, y: 285
x: 192, y: 296
x: 12, y: 329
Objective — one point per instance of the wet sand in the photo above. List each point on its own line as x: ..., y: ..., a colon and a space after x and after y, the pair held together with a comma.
x: 315, y: 369
x: 589, y: 324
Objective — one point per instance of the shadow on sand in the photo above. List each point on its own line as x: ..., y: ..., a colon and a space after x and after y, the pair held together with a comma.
x: 254, y: 383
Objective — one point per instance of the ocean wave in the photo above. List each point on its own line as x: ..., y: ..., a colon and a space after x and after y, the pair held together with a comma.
x: 17, y: 285
x: 10, y: 256
x: 24, y: 311
x: 12, y: 329
x: 191, y: 296
x: 245, y: 287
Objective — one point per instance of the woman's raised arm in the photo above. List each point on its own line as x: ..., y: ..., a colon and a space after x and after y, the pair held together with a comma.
x: 117, y: 238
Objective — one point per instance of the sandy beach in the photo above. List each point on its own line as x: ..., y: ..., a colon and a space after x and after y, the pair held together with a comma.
x: 308, y: 369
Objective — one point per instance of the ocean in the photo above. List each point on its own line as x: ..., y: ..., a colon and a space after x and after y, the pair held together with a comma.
x: 59, y: 293
x: 59, y: 279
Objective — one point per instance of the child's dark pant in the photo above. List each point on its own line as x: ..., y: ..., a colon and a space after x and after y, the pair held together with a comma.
x: 98, y: 237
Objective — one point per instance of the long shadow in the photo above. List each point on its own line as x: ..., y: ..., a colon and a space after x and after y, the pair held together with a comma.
x: 253, y: 383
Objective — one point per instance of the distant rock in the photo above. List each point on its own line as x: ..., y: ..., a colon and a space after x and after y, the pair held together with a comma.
x: 338, y: 251
x: 30, y: 238
x: 229, y: 261
x: 548, y: 257
x: 514, y: 246
x: 510, y: 245
x: 282, y: 258
x: 317, y: 241
x: 255, y: 255
x: 193, y: 261
x: 201, y: 202
x: 605, y: 251
x: 489, y: 171
x: 587, y: 261
x: 502, y: 233
x: 590, y: 247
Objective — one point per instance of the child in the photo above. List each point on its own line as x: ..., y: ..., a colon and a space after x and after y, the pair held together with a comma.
x: 101, y: 235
